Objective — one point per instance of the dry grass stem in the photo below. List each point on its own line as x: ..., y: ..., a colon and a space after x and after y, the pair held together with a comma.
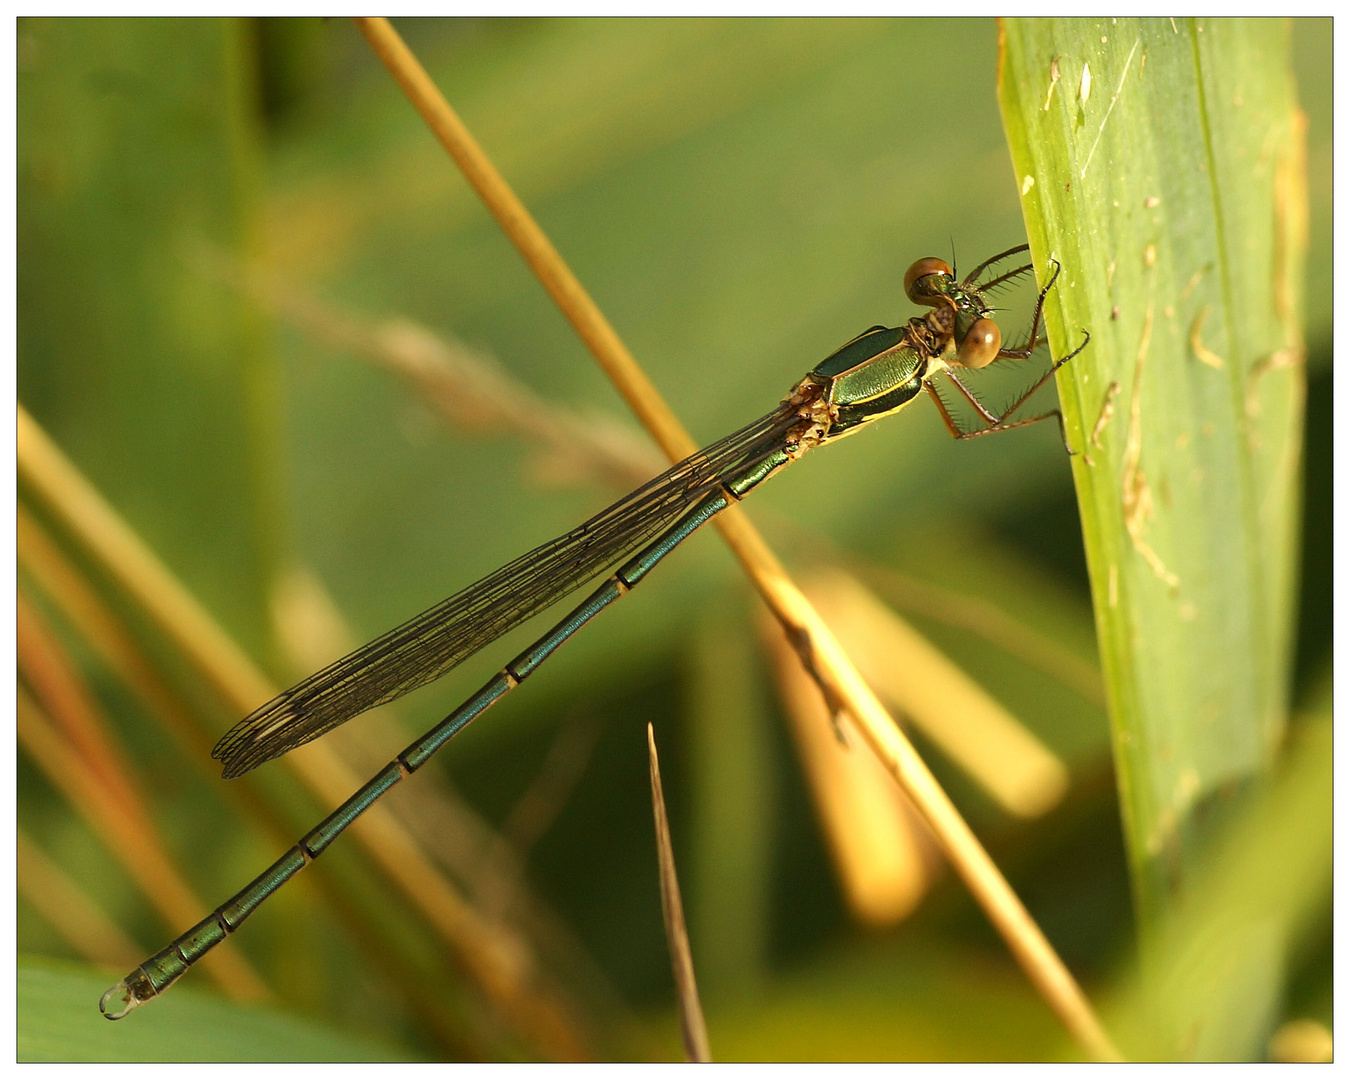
x: 534, y: 247
x: 881, y: 849
x: 1015, y: 637
x: 99, y: 628
x: 692, y: 1026
x: 43, y: 561
x: 55, y: 681
x: 468, y: 388
x: 99, y: 528
x: 822, y: 653
x: 972, y: 729
x: 841, y: 681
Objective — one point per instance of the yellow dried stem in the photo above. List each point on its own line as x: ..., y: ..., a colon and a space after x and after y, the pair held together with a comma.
x: 55, y: 681
x: 977, y: 733
x: 692, y: 1026
x: 83, y: 610
x: 881, y: 849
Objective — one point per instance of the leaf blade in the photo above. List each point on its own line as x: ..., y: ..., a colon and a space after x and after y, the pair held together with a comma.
x: 1157, y: 192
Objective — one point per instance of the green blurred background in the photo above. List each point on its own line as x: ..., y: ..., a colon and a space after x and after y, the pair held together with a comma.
x: 740, y: 197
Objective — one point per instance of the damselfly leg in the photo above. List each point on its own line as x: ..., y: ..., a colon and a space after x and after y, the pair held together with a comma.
x: 1002, y: 421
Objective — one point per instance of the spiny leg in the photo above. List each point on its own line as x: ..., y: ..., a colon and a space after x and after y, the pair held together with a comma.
x: 970, y: 278
x: 1000, y: 419
x: 1032, y: 338
x: 1015, y: 272
x: 956, y: 433
x: 991, y: 418
x: 997, y: 421
x: 1063, y: 435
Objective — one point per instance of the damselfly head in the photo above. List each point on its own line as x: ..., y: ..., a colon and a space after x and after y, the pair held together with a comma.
x: 976, y: 337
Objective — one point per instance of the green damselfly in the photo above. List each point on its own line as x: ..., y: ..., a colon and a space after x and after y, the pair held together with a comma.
x: 878, y: 373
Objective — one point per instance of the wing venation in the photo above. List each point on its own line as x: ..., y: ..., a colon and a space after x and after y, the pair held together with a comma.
x: 432, y: 643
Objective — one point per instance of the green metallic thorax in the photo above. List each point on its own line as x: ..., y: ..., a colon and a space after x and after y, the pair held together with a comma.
x: 875, y: 374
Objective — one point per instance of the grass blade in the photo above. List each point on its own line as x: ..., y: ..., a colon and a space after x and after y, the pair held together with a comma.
x: 695, y: 1031
x: 1160, y: 163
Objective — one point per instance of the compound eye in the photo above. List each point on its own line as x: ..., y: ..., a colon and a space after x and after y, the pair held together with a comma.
x: 923, y: 291
x: 981, y: 344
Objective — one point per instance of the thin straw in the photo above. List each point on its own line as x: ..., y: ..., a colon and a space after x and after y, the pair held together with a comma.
x: 692, y: 1025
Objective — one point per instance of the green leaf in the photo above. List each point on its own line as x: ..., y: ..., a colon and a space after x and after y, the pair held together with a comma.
x: 1160, y: 164
x: 1213, y: 991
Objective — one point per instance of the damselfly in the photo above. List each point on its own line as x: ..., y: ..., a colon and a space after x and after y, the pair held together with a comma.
x: 878, y: 373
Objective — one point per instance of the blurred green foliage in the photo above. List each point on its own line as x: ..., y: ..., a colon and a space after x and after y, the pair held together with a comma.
x: 740, y: 197
x: 55, y: 1023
